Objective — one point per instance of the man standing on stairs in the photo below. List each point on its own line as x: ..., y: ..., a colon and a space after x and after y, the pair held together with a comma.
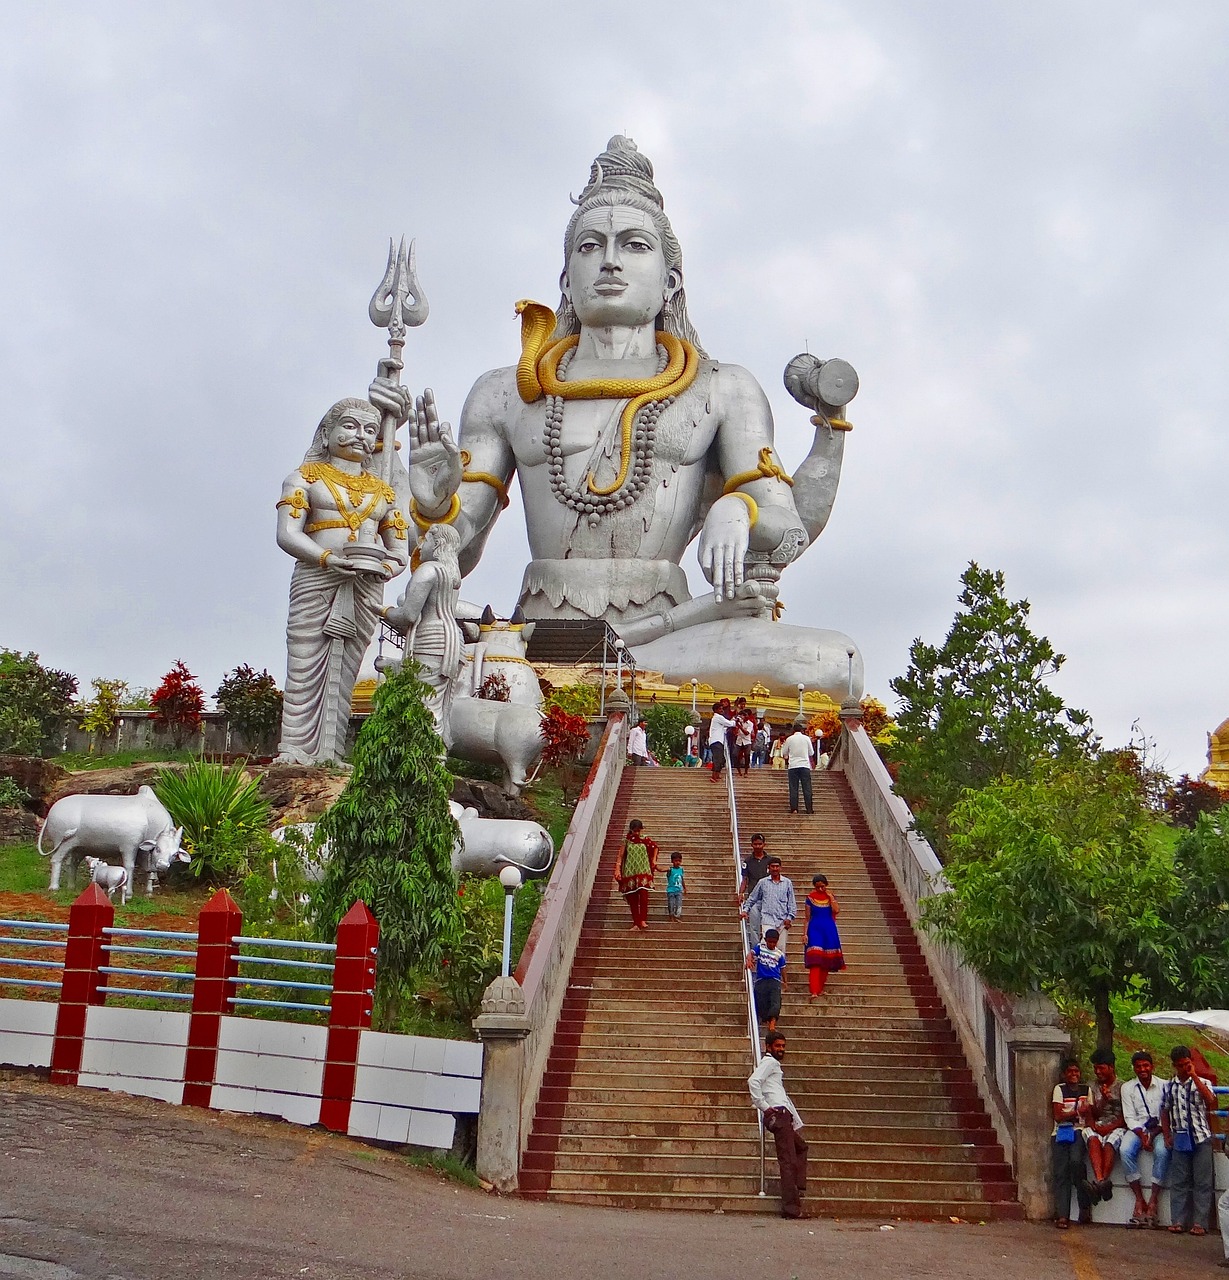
x: 755, y: 868
x: 781, y: 1119
x: 799, y: 757
x: 774, y: 899
x: 718, y: 727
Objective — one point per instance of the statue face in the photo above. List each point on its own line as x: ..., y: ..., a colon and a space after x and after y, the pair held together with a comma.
x: 616, y: 273
x: 353, y: 436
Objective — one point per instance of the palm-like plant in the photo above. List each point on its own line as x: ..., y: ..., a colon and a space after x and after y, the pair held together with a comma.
x: 202, y: 796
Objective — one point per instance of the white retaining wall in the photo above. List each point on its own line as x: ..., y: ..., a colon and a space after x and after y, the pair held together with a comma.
x: 27, y: 1029
x: 408, y: 1089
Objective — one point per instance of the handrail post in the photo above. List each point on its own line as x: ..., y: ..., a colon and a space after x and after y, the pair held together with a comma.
x: 217, y: 968
x: 354, y: 975
x: 85, y: 952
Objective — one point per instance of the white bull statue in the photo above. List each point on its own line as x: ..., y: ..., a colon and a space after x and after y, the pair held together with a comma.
x: 486, y: 846
x: 126, y: 827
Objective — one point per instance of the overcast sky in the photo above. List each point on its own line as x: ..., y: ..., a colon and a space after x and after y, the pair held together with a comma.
x: 1010, y: 218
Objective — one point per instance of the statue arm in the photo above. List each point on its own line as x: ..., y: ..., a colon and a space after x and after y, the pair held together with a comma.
x: 816, y: 479
x: 292, y: 513
x: 744, y: 431
x: 483, y: 437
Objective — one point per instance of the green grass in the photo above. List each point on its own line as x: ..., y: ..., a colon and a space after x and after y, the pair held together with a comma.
x: 1130, y: 1036
x: 24, y: 870
x: 547, y: 799
x: 81, y: 761
x: 445, y: 1164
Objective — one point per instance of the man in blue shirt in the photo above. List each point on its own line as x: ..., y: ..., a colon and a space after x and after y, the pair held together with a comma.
x: 774, y: 896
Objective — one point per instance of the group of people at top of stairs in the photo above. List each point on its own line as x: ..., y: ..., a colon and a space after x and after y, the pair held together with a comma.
x: 1110, y: 1119
x: 738, y: 736
x: 636, y: 869
x: 734, y: 735
x: 767, y: 902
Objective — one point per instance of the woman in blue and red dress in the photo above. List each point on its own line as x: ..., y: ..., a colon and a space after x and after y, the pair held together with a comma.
x: 823, y: 953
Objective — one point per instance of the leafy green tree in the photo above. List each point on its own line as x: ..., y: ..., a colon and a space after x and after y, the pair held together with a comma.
x: 1058, y: 881
x: 977, y: 708
x: 102, y: 710
x: 33, y: 702
x: 392, y: 834
x: 575, y: 699
x: 1196, y: 975
x: 666, y: 727
x: 252, y: 703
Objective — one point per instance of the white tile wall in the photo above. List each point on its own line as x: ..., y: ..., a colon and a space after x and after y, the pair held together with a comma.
x: 34, y: 1016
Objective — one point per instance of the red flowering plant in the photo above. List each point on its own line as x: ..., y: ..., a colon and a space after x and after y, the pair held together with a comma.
x: 178, y: 702
x: 564, y: 735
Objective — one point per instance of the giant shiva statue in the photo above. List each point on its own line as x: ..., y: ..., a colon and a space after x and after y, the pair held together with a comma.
x: 629, y: 441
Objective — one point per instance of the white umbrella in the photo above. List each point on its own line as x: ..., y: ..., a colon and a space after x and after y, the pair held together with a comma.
x: 1215, y: 1022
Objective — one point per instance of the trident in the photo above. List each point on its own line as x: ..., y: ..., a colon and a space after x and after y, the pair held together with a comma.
x: 398, y: 302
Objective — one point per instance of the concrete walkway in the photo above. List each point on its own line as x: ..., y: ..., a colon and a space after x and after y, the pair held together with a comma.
x: 102, y: 1186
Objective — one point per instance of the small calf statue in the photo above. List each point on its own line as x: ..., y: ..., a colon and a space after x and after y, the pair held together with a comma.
x: 127, y: 827
x: 106, y: 877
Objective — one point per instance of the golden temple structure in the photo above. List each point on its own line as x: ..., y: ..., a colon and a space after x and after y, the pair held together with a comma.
x: 1217, y: 772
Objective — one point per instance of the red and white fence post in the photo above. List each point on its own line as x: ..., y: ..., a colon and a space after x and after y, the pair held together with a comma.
x: 354, y: 975
x: 217, y: 968
x: 85, y: 952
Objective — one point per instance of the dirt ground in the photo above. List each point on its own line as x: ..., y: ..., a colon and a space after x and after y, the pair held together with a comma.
x: 105, y: 1187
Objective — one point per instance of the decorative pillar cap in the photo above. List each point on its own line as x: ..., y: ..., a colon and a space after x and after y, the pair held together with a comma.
x: 617, y: 700
x: 503, y: 1012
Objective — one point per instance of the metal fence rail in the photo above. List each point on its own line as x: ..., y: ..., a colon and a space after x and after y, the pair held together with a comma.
x: 175, y: 955
x: 32, y: 962
x: 270, y: 986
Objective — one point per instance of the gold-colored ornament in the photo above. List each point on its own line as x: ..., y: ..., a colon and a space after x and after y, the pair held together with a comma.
x: 766, y: 469
x: 356, y: 488
x: 395, y: 521
x: 454, y: 510
x: 484, y: 477
x: 297, y: 502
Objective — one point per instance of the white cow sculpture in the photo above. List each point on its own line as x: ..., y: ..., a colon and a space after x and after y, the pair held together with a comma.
x: 120, y: 826
x: 105, y: 876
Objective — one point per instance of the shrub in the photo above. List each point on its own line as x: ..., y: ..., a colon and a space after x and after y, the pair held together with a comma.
x: 575, y: 699
x: 494, y: 688
x: 202, y: 798
x: 33, y: 701
x: 565, y: 736
x: 666, y: 727
x: 253, y: 705
x: 11, y: 795
x: 1188, y: 798
x: 102, y: 710
x: 178, y: 703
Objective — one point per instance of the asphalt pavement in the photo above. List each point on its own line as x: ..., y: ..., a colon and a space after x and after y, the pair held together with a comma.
x: 101, y: 1186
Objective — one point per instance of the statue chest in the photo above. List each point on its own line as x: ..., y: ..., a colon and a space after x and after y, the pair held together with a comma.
x: 591, y: 437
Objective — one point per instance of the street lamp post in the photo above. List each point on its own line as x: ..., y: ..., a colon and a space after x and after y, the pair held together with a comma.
x: 694, y: 685
x: 510, y: 878
x: 801, y: 690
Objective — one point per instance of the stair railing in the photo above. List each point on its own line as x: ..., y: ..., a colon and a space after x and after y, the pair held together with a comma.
x: 753, y: 1025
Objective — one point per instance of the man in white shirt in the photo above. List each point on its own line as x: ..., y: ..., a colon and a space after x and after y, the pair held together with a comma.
x: 718, y: 727
x: 638, y: 743
x: 1143, y: 1100
x: 799, y: 757
x: 781, y: 1119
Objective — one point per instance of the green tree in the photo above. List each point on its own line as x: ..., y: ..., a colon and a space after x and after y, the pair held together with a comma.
x: 1058, y: 881
x: 252, y: 703
x: 102, y: 710
x: 666, y: 727
x: 1196, y: 975
x: 392, y: 834
x: 33, y: 702
x: 978, y: 707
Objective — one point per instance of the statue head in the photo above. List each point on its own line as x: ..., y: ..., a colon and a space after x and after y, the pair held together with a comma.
x: 350, y: 429
x: 621, y: 179
x: 442, y: 544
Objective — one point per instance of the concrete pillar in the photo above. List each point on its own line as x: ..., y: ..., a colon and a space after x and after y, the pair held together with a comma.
x: 502, y: 1027
x: 1038, y: 1046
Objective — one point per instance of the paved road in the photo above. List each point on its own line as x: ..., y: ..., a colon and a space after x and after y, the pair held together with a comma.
x: 104, y: 1187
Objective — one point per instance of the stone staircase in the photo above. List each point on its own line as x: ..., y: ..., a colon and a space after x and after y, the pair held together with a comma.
x: 644, y: 1101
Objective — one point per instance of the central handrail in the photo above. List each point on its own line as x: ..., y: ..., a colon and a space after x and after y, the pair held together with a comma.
x: 753, y: 1025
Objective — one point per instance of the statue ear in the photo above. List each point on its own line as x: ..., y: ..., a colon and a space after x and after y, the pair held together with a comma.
x: 674, y: 282
x: 565, y: 287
